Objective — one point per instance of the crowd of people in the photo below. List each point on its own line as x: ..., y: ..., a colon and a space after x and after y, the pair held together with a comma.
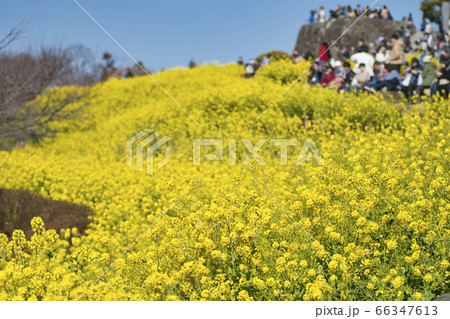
x: 395, y: 64
x: 381, y: 67
x: 342, y: 12
x: 252, y: 66
x: 384, y: 67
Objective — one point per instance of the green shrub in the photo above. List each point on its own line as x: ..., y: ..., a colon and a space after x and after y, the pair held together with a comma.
x: 274, y: 56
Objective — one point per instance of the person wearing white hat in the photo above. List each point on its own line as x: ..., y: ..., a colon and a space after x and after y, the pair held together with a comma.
x: 336, y: 64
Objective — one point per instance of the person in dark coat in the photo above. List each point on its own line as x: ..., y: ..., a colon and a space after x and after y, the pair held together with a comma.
x: 348, y: 75
x: 362, y: 47
x: 316, y: 73
x: 308, y: 55
x: 413, y: 73
x: 443, y: 78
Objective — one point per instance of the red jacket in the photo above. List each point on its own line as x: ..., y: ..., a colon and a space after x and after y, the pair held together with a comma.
x: 323, y: 54
x: 327, y: 79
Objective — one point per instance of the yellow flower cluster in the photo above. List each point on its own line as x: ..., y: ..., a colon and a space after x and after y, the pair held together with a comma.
x: 373, y: 223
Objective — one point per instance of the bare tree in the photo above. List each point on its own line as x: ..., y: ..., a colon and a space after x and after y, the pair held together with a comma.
x: 28, y: 103
x: 13, y: 35
x: 82, y: 68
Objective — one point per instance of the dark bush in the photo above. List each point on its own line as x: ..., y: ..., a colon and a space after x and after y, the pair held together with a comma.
x: 18, y: 207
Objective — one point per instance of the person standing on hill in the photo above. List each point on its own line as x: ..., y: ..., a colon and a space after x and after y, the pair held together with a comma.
x: 350, y: 12
x: 377, y: 12
x: 386, y: 14
x: 410, y: 18
x: 324, y: 55
x: 358, y: 10
x: 431, y: 40
x: 333, y: 15
x: 397, y: 54
x: 408, y: 37
x: 312, y: 17
x: 322, y: 16
x: 341, y: 12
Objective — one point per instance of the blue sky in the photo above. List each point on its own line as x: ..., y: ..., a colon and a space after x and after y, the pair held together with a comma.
x: 168, y: 33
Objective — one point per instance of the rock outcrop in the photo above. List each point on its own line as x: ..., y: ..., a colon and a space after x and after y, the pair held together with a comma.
x: 443, y: 298
x: 313, y: 35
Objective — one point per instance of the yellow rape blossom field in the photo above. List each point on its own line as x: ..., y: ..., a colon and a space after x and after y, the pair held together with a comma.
x: 370, y: 224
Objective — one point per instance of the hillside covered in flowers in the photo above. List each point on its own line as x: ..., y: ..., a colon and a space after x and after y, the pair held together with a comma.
x: 371, y: 224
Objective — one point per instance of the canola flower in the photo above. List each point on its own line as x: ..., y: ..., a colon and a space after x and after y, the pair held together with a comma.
x: 373, y: 223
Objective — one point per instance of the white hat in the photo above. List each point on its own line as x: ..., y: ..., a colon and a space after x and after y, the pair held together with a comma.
x: 427, y: 59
